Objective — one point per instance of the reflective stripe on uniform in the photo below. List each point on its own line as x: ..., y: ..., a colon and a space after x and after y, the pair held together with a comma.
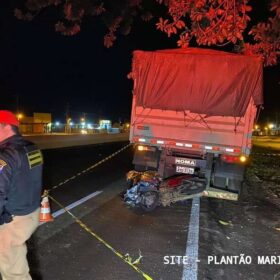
x: 35, y: 158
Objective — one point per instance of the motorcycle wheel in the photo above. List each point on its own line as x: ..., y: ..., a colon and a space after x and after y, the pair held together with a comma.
x: 192, y: 187
x: 149, y: 201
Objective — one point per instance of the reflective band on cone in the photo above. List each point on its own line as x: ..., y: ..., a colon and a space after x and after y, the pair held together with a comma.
x: 45, y: 210
x: 45, y: 213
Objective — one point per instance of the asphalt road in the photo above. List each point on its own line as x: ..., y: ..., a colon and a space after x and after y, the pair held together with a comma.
x: 62, y: 140
x: 64, y: 250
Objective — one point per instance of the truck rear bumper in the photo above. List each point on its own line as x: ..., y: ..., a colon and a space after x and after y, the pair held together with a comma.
x: 213, y: 193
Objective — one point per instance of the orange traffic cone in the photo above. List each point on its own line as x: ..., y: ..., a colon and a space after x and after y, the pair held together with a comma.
x: 45, y: 213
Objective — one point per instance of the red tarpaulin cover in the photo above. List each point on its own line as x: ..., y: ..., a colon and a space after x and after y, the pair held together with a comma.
x: 199, y: 80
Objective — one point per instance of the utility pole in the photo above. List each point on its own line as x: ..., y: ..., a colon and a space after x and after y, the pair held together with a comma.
x: 17, y: 103
x: 67, y: 117
x: 277, y: 126
x: 84, y: 116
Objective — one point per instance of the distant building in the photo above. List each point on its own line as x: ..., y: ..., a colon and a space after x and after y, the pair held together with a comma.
x: 38, y: 123
x: 105, y: 124
x: 42, y: 117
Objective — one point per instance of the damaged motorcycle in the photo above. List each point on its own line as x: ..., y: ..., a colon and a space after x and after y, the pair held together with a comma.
x: 147, y: 190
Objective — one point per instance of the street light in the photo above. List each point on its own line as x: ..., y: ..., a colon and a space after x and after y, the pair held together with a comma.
x: 271, y: 125
x: 68, y: 125
x: 19, y: 116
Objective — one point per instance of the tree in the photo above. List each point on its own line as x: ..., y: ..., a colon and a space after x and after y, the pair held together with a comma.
x: 195, y: 22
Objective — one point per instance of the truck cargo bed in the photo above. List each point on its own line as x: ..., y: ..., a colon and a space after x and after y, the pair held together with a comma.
x: 186, y: 130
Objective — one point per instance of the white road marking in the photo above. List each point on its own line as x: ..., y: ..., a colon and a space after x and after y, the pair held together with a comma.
x: 74, y: 204
x: 190, y: 269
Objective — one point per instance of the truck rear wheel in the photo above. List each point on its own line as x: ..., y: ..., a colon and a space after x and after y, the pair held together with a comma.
x: 243, y: 194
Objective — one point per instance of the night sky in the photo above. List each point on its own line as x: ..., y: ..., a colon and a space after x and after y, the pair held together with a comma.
x: 43, y: 71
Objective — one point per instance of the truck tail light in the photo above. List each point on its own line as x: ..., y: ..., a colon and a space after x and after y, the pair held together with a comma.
x: 243, y: 159
x: 145, y: 148
x: 140, y: 148
x: 234, y: 159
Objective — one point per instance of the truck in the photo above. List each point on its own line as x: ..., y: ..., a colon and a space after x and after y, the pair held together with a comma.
x: 192, y: 117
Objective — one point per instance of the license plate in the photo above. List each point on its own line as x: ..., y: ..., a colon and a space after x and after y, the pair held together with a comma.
x: 184, y: 169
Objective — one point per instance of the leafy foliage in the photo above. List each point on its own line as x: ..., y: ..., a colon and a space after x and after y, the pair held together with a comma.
x: 206, y: 22
x: 267, y: 36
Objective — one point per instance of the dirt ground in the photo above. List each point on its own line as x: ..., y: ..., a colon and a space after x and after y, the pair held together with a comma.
x: 263, y: 174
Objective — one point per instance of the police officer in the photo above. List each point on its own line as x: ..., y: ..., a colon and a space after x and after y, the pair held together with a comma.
x: 20, y: 192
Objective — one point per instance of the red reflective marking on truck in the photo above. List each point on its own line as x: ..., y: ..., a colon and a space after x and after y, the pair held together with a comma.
x: 172, y: 143
x: 142, y: 127
x: 234, y: 159
x: 229, y: 159
x: 153, y: 141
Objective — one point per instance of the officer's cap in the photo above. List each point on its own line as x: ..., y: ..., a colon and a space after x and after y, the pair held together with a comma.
x: 8, y: 117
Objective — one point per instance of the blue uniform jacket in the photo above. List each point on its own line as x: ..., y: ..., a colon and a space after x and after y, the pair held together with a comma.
x: 20, y: 176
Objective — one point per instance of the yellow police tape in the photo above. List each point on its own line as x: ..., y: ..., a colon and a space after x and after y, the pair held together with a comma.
x: 125, y: 258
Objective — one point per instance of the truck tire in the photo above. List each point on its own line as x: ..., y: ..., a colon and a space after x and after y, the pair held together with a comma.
x: 243, y: 194
x: 235, y: 185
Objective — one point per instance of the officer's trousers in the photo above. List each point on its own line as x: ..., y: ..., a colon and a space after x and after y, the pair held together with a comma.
x: 13, y: 262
